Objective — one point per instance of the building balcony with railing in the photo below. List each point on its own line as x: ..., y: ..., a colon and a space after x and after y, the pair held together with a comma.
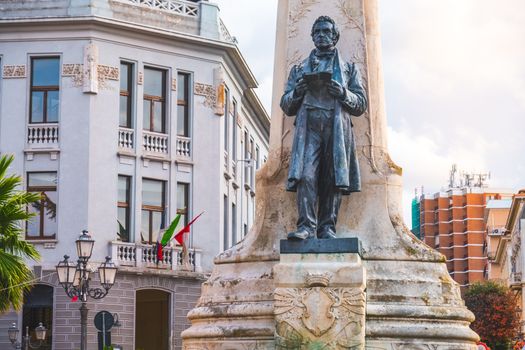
x: 138, y: 257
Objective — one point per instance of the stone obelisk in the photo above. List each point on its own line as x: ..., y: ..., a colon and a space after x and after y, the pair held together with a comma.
x: 411, y: 301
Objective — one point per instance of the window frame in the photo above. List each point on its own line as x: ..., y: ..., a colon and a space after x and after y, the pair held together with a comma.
x: 186, y: 103
x: 41, y: 190
x: 226, y: 118
x: 234, y: 130
x: 45, y: 89
x: 126, y: 205
x: 153, y: 208
x: 186, y: 212
x: 129, y: 94
x: 152, y: 99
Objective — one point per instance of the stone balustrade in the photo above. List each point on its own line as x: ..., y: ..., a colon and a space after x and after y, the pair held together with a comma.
x: 42, y: 135
x: 125, y: 138
x: 155, y: 142
x: 143, y: 256
x: 183, y: 147
x: 178, y: 7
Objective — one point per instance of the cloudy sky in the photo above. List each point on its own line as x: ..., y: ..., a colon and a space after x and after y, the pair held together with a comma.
x: 454, y: 83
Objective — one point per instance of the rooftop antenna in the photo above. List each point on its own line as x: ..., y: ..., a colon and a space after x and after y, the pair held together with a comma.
x: 452, y: 176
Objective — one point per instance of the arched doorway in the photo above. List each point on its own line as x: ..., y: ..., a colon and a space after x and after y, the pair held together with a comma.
x: 38, y: 307
x: 152, y: 315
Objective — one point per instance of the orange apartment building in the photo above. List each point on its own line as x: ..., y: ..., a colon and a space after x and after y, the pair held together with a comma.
x: 453, y: 222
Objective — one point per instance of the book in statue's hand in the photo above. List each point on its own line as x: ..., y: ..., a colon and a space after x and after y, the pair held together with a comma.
x: 317, y: 77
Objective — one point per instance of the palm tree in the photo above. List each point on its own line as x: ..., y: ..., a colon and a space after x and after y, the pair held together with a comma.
x: 15, y: 275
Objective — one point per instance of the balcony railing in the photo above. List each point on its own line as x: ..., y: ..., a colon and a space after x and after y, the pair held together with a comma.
x: 155, y: 143
x: 515, y: 280
x: 125, y: 138
x: 42, y: 135
x: 144, y: 256
x: 225, y: 34
x: 174, y: 6
x: 183, y: 147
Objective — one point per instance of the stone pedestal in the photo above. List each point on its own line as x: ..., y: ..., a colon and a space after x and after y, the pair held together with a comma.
x: 319, y: 299
x: 411, y: 301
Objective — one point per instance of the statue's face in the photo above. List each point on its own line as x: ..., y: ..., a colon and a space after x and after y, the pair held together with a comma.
x: 323, y: 35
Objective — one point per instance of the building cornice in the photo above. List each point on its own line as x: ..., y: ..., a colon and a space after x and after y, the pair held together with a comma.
x: 229, y: 50
x: 514, y: 210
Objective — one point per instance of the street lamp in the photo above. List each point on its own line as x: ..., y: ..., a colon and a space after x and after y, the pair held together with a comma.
x: 75, y: 279
x: 26, y: 344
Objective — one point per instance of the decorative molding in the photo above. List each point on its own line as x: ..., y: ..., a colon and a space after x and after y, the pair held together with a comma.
x: 79, y: 75
x: 173, y: 84
x: 75, y: 71
x: 140, y: 79
x: 208, y: 92
x: 348, y: 13
x: 13, y: 71
x: 91, y: 70
x: 298, y: 12
x: 107, y: 73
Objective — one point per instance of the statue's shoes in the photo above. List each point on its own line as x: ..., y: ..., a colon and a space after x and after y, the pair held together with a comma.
x: 326, y: 235
x: 298, y: 235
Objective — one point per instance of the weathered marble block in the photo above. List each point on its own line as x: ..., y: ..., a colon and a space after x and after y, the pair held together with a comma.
x: 319, y: 301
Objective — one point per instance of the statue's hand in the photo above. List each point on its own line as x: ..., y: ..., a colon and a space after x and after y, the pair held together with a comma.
x: 300, y: 88
x: 337, y: 90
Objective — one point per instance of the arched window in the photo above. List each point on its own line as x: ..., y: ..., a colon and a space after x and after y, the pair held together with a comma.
x: 38, y: 307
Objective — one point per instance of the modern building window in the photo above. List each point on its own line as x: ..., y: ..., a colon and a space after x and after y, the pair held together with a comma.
x: 226, y: 118
x: 124, y: 209
x: 234, y: 131
x: 226, y: 226
x: 183, y: 203
x: 126, y: 94
x: 44, y: 224
x: 234, y: 224
x: 45, y: 77
x: 154, y: 108
x: 183, y: 104
x: 38, y: 307
x: 153, y: 209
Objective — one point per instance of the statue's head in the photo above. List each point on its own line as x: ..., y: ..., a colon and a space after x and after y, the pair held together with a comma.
x: 325, y: 33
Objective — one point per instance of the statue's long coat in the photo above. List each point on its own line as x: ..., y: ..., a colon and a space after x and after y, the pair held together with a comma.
x: 346, y: 166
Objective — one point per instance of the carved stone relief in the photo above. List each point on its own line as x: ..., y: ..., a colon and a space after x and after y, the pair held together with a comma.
x: 75, y: 71
x: 14, y: 71
x: 79, y: 75
x: 208, y: 92
x: 90, y: 70
x: 334, y: 318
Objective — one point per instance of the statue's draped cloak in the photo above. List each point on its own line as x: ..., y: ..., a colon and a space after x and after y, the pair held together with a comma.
x: 346, y: 166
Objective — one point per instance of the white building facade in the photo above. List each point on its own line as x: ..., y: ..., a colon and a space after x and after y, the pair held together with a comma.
x: 123, y: 114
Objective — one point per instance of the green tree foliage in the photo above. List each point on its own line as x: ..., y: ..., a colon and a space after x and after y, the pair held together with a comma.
x: 15, y: 275
x: 496, y: 311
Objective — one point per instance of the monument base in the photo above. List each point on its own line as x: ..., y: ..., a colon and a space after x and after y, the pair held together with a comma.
x: 319, y: 300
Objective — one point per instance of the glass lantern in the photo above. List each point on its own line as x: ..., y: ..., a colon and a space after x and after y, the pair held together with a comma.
x: 84, y: 245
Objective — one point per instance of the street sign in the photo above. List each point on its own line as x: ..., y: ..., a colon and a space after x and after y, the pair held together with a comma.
x: 104, y: 321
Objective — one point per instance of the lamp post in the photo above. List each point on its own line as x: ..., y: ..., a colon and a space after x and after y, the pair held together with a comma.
x: 75, y: 279
x: 26, y: 344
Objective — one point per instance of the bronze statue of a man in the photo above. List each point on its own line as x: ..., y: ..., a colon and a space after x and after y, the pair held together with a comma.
x: 323, y: 92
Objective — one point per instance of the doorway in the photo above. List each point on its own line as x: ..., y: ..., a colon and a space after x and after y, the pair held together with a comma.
x: 152, y: 331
